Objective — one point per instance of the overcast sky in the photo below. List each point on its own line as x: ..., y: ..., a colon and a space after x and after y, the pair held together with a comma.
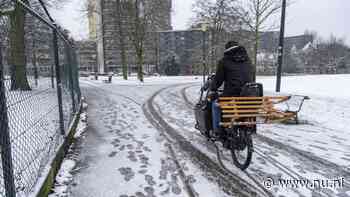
x: 323, y: 16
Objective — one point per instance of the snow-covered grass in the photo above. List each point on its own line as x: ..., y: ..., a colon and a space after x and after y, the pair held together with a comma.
x: 327, y: 86
x: 327, y: 114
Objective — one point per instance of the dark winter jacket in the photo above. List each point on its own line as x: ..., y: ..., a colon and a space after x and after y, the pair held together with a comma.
x: 235, y: 70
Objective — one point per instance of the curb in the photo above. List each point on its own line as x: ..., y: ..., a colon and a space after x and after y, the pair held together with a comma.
x: 55, y: 166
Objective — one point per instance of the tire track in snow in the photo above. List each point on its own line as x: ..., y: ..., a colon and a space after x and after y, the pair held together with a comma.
x: 218, y: 151
x: 332, y: 167
x: 232, y: 183
x: 189, y: 189
x: 112, y: 92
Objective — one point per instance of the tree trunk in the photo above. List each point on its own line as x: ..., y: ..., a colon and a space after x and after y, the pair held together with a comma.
x: 34, y: 58
x: 35, y: 66
x: 256, y: 48
x: 122, y: 40
x: 257, y: 37
x: 139, y: 64
x: 17, y: 59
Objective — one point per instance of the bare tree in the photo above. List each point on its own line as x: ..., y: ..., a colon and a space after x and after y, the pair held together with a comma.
x: 17, y: 42
x: 144, y: 17
x: 326, y: 55
x: 17, y: 57
x: 221, y: 18
x: 255, y: 15
x: 122, y: 37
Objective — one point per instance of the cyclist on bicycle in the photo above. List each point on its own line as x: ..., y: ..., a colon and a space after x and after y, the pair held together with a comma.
x: 234, y: 70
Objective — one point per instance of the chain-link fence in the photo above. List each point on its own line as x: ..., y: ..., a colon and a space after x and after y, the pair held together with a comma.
x: 39, y: 93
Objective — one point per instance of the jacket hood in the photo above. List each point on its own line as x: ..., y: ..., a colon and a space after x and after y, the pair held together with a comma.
x: 236, y: 54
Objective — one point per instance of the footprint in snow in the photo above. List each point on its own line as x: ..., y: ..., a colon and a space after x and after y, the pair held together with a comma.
x: 140, y: 194
x: 142, y: 171
x: 132, y: 156
x: 122, y: 148
x: 108, y: 127
x: 143, y: 166
x: 130, y: 146
x: 149, y: 191
x: 128, y: 173
x: 144, y: 159
x: 112, y: 154
x: 147, y: 149
x: 150, y: 180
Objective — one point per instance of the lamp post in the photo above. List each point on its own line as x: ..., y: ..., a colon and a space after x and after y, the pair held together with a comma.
x: 204, y: 29
x: 281, y: 47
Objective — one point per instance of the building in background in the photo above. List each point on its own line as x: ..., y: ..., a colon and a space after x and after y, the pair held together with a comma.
x: 103, y: 29
x: 168, y: 50
x: 267, y: 56
x: 87, y: 55
x: 185, y: 48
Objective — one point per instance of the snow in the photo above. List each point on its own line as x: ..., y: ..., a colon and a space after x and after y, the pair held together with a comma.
x: 307, y: 47
x: 327, y: 114
x: 149, y: 81
x: 123, y: 154
x: 82, y: 125
x: 327, y: 86
x: 326, y: 135
x: 33, y: 128
x: 63, y: 178
x: 126, y: 152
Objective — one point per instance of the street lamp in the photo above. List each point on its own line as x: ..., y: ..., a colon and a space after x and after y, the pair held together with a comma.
x: 280, y: 47
x: 204, y: 29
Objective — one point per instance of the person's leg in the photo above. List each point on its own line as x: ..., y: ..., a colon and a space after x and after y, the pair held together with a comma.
x: 216, y: 115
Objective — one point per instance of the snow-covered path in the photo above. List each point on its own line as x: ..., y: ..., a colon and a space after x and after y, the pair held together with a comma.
x: 123, y: 154
x: 141, y: 142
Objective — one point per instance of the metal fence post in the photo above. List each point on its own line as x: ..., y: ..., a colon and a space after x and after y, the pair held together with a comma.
x: 76, y: 74
x: 58, y: 80
x: 70, y: 67
x: 5, y: 143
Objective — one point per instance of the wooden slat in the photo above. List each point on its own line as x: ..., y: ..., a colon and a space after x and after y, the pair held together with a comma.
x: 229, y: 124
x: 245, y: 106
x: 244, y: 102
x: 283, y: 114
x: 246, y: 115
x: 243, y: 111
x: 240, y: 98
x: 255, y: 98
x: 271, y: 115
x: 270, y: 118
